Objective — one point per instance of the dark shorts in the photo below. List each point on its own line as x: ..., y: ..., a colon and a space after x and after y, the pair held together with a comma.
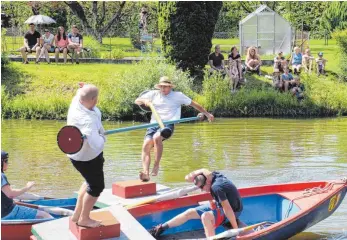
x: 31, y: 47
x: 93, y: 173
x: 153, y: 130
x: 218, y: 214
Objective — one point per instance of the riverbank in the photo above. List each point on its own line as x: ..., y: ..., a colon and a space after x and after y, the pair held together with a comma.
x: 45, y: 91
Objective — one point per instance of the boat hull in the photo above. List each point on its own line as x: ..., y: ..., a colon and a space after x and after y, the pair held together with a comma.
x: 284, y: 205
x: 21, y: 229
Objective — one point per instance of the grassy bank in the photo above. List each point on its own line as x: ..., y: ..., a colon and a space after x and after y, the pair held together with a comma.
x: 45, y: 91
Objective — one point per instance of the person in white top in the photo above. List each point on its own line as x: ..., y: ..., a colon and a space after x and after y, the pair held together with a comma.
x: 47, y: 43
x: 89, y: 161
x: 168, y: 106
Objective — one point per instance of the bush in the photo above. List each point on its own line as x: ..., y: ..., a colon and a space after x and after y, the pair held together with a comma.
x: 341, y: 39
x: 93, y: 45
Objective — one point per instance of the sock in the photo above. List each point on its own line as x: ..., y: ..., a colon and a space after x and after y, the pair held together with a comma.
x: 165, y: 226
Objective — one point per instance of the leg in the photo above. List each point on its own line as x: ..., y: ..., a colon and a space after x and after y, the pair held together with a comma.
x: 158, y: 145
x: 183, y: 217
x: 23, y: 53
x: 47, y: 47
x: 208, y: 221
x: 37, y: 50
x: 236, y: 81
x: 43, y: 214
x: 146, y: 158
x: 286, y: 85
x: 65, y: 54
x: 77, y: 213
x: 56, y: 55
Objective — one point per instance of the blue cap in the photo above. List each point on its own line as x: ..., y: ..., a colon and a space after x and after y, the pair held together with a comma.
x: 320, y: 54
x: 4, y: 155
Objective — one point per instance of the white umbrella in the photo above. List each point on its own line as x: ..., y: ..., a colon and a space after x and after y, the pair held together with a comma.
x: 40, y: 19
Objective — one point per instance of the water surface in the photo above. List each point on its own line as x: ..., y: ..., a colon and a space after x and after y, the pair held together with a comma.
x: 249, y: 151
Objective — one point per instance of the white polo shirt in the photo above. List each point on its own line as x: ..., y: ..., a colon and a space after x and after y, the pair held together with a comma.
x: 89, y: 122
x: 168, y: 106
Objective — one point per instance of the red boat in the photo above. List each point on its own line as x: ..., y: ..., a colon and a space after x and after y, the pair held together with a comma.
x: 285, y: 209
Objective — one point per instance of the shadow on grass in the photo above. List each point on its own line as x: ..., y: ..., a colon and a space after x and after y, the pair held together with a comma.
x: 13, y: 80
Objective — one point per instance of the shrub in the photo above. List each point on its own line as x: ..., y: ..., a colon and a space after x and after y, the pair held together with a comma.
x: 341, y: 39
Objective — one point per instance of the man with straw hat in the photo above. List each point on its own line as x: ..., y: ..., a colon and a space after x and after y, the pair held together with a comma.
x: 168, y: 106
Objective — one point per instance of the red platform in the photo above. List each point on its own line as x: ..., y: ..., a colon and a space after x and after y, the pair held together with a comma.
x: 134, y: 188
x: 110, y: 228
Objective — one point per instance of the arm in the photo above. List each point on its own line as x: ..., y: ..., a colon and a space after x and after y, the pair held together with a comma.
x: 229, y: 213
x: 95, y: 139
x: 190, y: 177
x: 26, y: 43
x: 142, y: 101
x: 81, y: 43
x: 13, y: 193
x: 69, y: 40
x: 52, y: 41
x: 211, y: 64
x: 198, y: 107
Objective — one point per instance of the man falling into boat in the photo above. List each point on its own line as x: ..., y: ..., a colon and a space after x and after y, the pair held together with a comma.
x: 168, y: 105
x: 226, y: 207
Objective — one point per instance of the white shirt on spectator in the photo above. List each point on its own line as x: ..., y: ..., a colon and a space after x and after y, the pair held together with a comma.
x: 48, y: 39
x: 89, y: 123
x: 168, y: 106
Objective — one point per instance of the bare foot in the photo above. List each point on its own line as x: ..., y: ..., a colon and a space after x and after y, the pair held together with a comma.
x: 74, y: 217
x: 155, y: 170
x: 144, y: 176
x: 89, y: 223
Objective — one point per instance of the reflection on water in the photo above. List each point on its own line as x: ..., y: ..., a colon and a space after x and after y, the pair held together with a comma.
x: 249, y: 151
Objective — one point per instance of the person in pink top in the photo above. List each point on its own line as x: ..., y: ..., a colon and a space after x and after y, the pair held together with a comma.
x: 61, y: 41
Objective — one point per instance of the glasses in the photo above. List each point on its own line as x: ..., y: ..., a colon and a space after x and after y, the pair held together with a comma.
x: 6, y: 160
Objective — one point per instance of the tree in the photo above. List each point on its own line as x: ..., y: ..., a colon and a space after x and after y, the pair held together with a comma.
x: 186, y: 30
x: 335, y: 16
x: 97, y: 17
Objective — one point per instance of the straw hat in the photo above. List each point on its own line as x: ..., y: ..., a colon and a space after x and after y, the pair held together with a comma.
x: 164, y: 81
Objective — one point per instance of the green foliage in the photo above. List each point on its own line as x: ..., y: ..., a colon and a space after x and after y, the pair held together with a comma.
x: 186, y: 30
x: 341, y: 40
x: 115, y: 54
x: 335, y: 16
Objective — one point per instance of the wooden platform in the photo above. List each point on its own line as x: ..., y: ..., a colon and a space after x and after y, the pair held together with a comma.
x: 107, y: 199
x: 59, y: 229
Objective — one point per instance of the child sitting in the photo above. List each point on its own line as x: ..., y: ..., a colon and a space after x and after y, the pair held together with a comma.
x: 321, y: 64
x: 287, y: 79
x: 307, y: 61
x: 277, y: 81
x: 280, y: 62
x: 298, y: 89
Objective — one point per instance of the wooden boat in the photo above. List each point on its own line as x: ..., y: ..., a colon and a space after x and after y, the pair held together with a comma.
x: 287, y: 209
x: 21, y: 229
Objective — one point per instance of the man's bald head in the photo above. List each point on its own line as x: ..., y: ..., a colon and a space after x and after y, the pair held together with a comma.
x: 88, y: 92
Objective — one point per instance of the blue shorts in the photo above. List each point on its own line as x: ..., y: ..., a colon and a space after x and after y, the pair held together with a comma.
x: 218, y: 214
x: 21, y: 212
x: 153, y: 130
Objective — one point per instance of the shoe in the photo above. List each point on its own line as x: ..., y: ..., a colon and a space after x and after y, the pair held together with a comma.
x: 156, y: 231
x: 77, y: 62
x: 26, y: 62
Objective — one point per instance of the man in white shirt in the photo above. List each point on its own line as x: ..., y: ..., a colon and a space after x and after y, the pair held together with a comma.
x: 168, y: 106
x: 89, y: 161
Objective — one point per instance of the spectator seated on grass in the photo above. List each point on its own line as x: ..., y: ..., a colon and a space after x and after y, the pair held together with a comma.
x: 321, y: 62
x: 31, y: 43
x: 235, y: 69
x: 297, y: 60
x: 287, y: 79
x: 47, y: 45
x: 277, y: 81
x: 280, y: 62
x: 75, y: 42
x: 307, y: 61
x: 298, y: 88
x: 61, y: 44
x: 216, y: 61
x: 253, y: 61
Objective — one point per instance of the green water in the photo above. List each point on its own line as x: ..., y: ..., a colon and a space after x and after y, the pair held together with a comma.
x: 249, y: 151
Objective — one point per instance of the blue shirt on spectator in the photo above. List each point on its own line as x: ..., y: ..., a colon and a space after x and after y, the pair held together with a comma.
x: 7, y: 204
x: 287, y: 77
x: 223, y: 189
x: 297, y: 59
